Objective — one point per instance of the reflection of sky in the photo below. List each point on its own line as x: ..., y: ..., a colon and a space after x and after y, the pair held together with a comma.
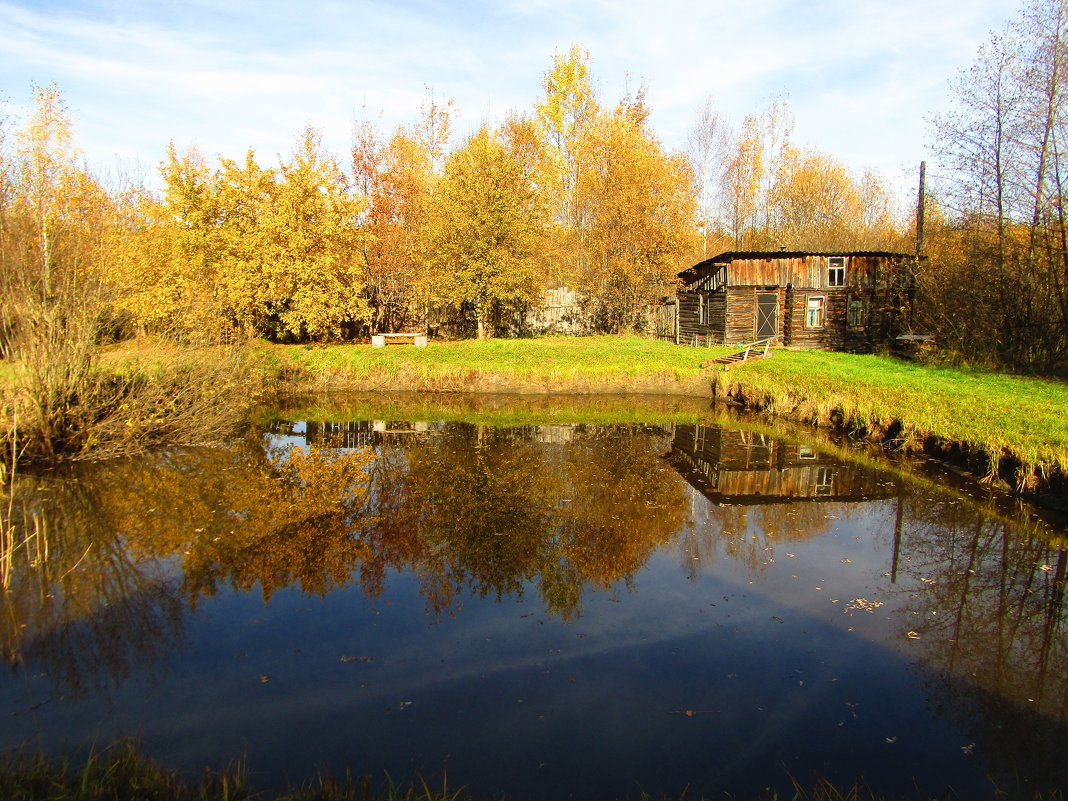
x: 282, y: 443
x: 512, y: 701
x: 703, y: 673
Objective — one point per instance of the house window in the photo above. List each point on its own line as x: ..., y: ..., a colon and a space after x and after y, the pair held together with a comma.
x: 836, y: 271
x: 815, y: 313
x: 702, y: 299
x: 855, y: 317
x: 824, y: 481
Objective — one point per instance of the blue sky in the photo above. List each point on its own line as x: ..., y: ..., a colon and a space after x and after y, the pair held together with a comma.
x: 860, y: 76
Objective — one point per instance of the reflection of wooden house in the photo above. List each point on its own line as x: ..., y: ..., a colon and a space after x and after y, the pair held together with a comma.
x: 845, y: 301
x: 742, y: 467
x: 350, y: 434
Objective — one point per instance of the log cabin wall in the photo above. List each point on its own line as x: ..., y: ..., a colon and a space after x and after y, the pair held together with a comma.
x: 690, y: 324
x: 741, y: 313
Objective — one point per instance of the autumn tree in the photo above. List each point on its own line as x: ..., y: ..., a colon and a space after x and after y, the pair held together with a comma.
x: 1002, y: 152
x: 279, y: 248
x: 395, y: 179
x: 816, y: 205
x: 742, y: 176
x: 316, y: 224
x: 54, y: 221
x: 637, y: 203
x: 484, y: 233
x: 562, y: 117
x: 708, y: 144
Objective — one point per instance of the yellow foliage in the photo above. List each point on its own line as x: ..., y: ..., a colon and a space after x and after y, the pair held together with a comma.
x: 638, y: 206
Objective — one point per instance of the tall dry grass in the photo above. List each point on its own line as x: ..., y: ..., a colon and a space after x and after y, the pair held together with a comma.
x: 72, y: 405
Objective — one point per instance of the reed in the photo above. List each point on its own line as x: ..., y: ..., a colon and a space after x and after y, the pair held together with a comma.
x: 121, y: 772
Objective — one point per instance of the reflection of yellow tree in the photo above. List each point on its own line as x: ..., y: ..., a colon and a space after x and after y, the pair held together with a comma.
x: 750, y: 533
x: 492, y: 510
x: 626, y: 503
x: 237, y: 515
x: 80, y: 605
x: 479, y: 500
x: 100, y: 602
x: 488, y: 511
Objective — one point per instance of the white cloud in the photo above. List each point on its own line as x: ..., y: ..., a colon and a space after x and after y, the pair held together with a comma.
x: 860, y: 76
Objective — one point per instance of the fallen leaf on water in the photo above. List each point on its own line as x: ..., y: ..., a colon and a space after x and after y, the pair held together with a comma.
x: 891, y: 739
x: 912, y: 635
x: 264, y: 678
x: 861, y: 604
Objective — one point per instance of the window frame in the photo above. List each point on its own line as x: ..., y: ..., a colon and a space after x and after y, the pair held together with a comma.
x: 821, y: 306
x: 836, y: 271
x: 857, y: 313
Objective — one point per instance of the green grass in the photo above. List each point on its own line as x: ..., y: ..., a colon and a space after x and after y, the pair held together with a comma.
x: 1003, y: 417
x: 983, y: 411
x: 546, y: 364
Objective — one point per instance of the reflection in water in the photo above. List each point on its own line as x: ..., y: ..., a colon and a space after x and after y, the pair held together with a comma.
x: 563, y: 514
x: 986, y: 606
x: 490, y: 511
x: 764, y: 492
x: 89, y: 612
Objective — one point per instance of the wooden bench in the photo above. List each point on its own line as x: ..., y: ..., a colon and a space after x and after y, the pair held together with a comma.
x: 381, y: 340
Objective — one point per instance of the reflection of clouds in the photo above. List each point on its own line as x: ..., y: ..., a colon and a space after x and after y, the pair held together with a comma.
x: 282, y: 443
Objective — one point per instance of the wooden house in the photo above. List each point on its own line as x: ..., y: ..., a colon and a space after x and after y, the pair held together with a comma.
x: 841, y: 301
x: 732, y: 467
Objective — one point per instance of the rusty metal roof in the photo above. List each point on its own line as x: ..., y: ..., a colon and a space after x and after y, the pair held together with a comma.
x: 733, y: 255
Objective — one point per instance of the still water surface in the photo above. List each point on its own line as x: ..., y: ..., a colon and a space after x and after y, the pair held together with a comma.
x: 542, y: 610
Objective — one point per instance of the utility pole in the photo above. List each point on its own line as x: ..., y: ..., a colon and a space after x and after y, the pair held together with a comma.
x: 919, y: 210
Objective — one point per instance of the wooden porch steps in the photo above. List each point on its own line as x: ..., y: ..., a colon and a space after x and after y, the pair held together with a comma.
x: 761, y: 349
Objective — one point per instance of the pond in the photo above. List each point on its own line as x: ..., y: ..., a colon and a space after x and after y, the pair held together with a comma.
x: 541, y: 602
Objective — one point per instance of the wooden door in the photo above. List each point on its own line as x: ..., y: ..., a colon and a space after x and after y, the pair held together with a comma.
x: 767, y: 317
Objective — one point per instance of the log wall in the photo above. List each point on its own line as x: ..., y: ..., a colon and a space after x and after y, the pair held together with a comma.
x: 690, y: 316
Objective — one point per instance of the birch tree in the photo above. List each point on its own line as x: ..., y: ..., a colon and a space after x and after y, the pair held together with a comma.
x: 1001, y: 149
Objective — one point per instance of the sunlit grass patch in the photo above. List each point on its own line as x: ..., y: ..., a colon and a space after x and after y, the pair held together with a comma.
x: 551, y: 362
x: 1001, y: 414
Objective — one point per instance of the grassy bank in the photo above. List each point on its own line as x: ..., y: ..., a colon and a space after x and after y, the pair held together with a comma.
x: 1011, y: 422
x: 1018, y: 426
x: 113, y: 407
x: 122, y: 773
x: 1013, y: 425
x: 551, y: 364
